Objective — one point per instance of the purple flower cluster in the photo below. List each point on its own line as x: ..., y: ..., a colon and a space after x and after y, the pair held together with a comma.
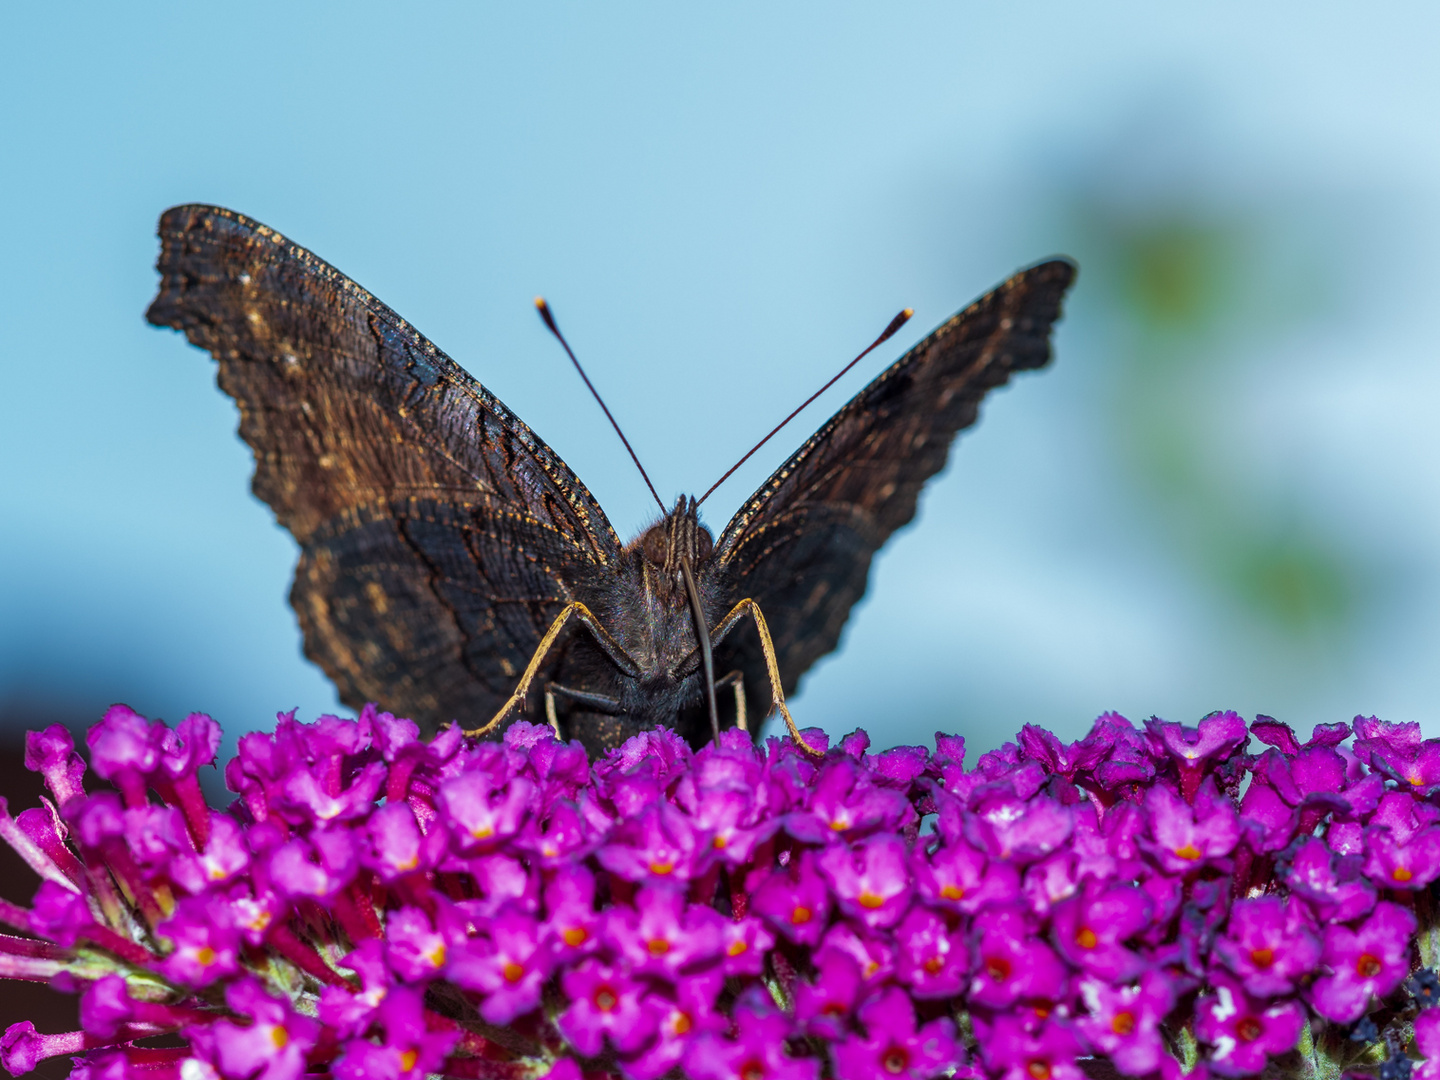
x: 376, y: 907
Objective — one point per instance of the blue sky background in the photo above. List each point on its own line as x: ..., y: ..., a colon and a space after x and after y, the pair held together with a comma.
x: 1224, y: 494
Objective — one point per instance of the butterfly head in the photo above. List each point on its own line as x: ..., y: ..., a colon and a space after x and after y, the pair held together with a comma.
x: 678, y: 535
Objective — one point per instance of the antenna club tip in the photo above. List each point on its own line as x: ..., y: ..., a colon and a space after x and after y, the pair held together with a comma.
x: 909, y: 311
x: 540, y: 304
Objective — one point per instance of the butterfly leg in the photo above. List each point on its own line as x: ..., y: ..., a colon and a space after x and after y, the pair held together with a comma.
x: 573, y: 610
x: 550, y: 715
x: 737, y: 680
x: 772, y: 666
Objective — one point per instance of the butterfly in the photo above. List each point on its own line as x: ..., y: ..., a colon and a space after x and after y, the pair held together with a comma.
x: 452, y: 567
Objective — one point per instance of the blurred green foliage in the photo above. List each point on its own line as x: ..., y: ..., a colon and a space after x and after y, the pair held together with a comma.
x: 1194, y: 295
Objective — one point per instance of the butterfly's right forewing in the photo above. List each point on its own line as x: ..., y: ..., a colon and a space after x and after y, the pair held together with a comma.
x: 801, y: 546
x: 439, y: 536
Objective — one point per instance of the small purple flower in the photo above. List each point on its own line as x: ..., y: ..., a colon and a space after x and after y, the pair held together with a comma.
x: 60, y: 914
x: 107, y: 1010
x: 796, y: 903
x: 823, y: 1007
x: 307, y: 798
x: 52, y: 754
x: 1019, y: 1053
x: 1398, y: 751
x: 560, y: 838
x: 480, y: 812
x: 663, y: 844
x: 1412, y: 863
x: 894, y: 1047
x: 1010, y: 963
x: 933, y: 957
x: 756, y: 1053
x: 662, y: 934
x: 744, y: 944
x: 346, y: 1013
x: 958, y: 876
x: 408, y: 1052
x: 1090, y: 929
x: 203, y: 942
x: 1269, y: 945
x: 1124, y: 1021
x: 1330, y: 882
x: 1022, y: 829
x: 605, y: 1002
x: 397, y: 846
x: 509, y: 965
x: 844, y: 802
x: 1269, y: 821
x: 414, y: 949
x: 1244, y: 1031
x: 123, y: 750
x: 681, y: 1022
x: 871, y: 880
x: 727, y: 800
x: 272, y: 1047
x: 571, y: 921
x: 504, y: 882
x: 1215, y: 738
x: 316, y: 867
x: 1369, y: 961
x: 1186, y: 838
x: 223, y: 857
x: 874, y: 955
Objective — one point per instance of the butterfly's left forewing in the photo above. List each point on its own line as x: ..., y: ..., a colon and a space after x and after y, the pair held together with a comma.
x: 439, y: 536
x: 801, y: 545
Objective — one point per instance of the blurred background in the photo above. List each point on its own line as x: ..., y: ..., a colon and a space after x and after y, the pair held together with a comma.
x: 1224, y: 493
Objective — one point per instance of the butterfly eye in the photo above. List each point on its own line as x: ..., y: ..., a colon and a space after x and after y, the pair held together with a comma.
x: 653, y: 546
x: 704, y: 544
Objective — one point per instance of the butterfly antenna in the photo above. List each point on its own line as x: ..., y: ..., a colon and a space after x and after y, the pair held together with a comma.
x: 544, y: 309
x: 895, y: 324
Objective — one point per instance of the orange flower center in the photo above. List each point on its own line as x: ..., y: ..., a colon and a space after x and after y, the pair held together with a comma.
x: 997, y: 967
x: 953, y: 892
x: 1085, y: 938
x: 800, y: 915
x: 205, y: 955
x: 1401, y: 874
x: 408, y: 1060
x: 1262, y: 958
x: 1248, y: 1029
x: 737, y: 948
x: 896, y: 1060
x: 1368, y: 966
x: 752, y: 1070
x: 1038, y: 1069
x: 934, y: 965
x: 657, y: 946
x: 1123, y: 1023
x: 661, y: 868
x: 605, y: 998
x: 870, y: 900
x: 279, y: 1037
x: 513, y: 972
x: 575, y: 936
x: 1189, y: 852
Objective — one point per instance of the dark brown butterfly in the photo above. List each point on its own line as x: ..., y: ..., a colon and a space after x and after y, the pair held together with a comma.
x: 441, y: 539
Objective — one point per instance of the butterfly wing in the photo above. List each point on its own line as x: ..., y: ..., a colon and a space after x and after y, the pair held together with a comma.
x: 439, y: 536
x: 801, y: 545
